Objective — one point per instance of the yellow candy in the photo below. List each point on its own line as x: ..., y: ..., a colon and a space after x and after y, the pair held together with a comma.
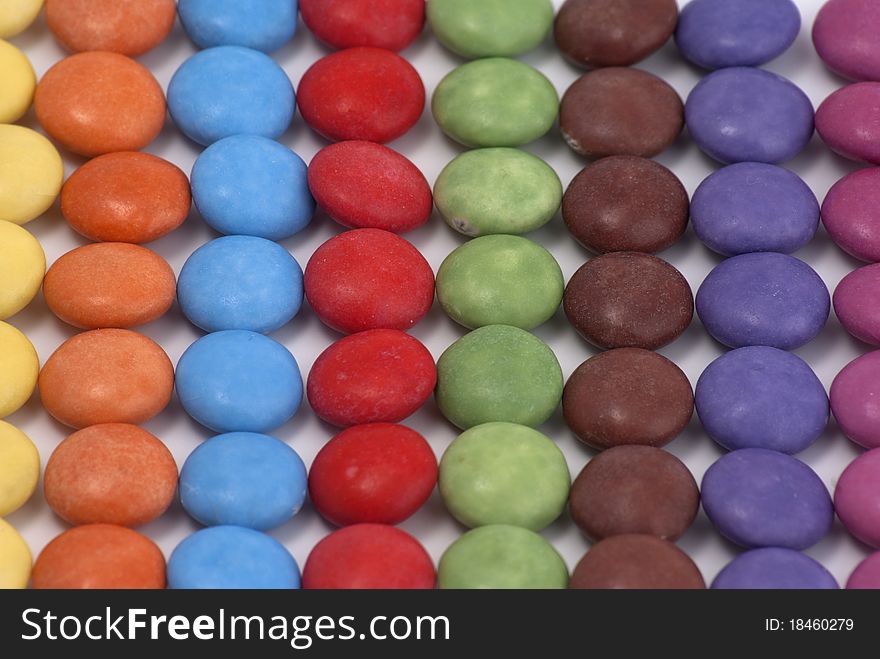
x: 19, y: 367
x: 19, y: 468
x: 31, y: 173
x: 15, y: 558
x: 22, y: 266
x: 17, y: 15
x: 17, y: 80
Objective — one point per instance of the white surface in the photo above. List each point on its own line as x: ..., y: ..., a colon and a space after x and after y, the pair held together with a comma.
x: 306, y: 337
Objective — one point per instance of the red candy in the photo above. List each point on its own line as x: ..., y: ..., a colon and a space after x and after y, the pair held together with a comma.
x: 369, y: 279
x: 391, y: 24
x: 371, y: 377
x: 361, y: 94
x: 380, y: 473
x: 369, y: 556
x: 364, y: 185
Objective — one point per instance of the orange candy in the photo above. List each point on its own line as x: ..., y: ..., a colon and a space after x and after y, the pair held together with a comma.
x: 109, y: 285
x: 99, y: 102
x: 127, y: 197
x: 106, y: 376
x: 100, y: 556
x: 113, y: 473
x: 130, y: 27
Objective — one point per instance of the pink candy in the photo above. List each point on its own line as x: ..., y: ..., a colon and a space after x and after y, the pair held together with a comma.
x: 845, y: 35
x: 857, y: 497
x: 867, y: 574
x: 851, y: 213
x: 849, y: 121
x: 855, y: 400
x: 857, y: 303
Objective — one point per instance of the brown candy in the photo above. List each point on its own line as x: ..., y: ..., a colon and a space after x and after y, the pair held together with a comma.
x: 634, y: 489
x: 625, y: 204
x: 596, y: 33
x: 620, y: 111
x: 636, y: 562
x: 627, y: 396
x: 628, y: 299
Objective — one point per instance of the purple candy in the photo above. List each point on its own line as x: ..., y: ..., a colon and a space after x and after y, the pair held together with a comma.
x: 866, y: 575
x: 764, y: 299
x: 749, y: 115
x: 761, y: 498
x: 760, y: 397
x: 754, y: 207
x: 716, y: 34
x: 774, y: 568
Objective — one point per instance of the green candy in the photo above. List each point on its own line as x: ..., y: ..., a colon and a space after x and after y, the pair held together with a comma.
x: 498, y: 373
x: 488, y: 191
x: 501, y: 556
x: 500, y: 280
x: 504, y: 473
x: 495, y: 102
x: 490, y: 28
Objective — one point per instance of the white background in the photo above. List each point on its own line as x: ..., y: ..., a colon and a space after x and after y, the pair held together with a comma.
x: 306, y: 337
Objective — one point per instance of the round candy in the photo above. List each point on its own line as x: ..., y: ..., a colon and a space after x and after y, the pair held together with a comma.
x: 845, y: 36
x: 378, y: 473
x: 230, y: 90
x: 100, y: 556
x: 634, y: 489
x: 857, y: 303
x: 129, y: 27
x: 761, y: 397
x: 22, y: 265
x: 369, y: 279
x: 19, y: 366
x: 15, y: 556
x: 641, y: 562
x: 498, y: 373
x: 627, y: 396
x: 501, y: 556
x: 495, y: 102
x: 19, y: 469
x: 716, y: 34
x: 263, y: 25
x: 851, y: 214
x: 597, y: 33
x: 625, y: 204
x: 231, y: 557
x: 17, y: 15
x: 240, y: 282
x: 488, y: 191
x: 857, y: 498
x: 106, y: 376
x: 847, y: 122
x: 361, y: 94
x: 31, y: 174
x: 18, y: 81
x: 243, y: 479
x: 363, y: 185
x: 620, y: 111
x: 239, y: 381
x: 491, y: 28
x: 126, y: 197
x: 253, y: 186
x: 109, y: 285
x: 389, y: 24
x: 728, y: 125
x: 111, y: 473
x: 866, y: 575
x: 500, y: 280
x: 100, y: 102
x: 774, y: 568
x: 761, y: 498
x: 375, y: 376
x: 628, y: 299
x: 763, y: 299
x: 853, y: 395
x: 754, y: 207
x: 504, y: 473
x: 369, y: 556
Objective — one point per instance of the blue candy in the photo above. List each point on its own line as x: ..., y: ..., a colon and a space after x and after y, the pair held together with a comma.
x: 261, y: 24
x: 774, y: 568
x: 243, y: 479
x: 240, y: 282
x: 230, y: 90
x: 239, y: 381
x: 231, y: 557
x: 252, y: 186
